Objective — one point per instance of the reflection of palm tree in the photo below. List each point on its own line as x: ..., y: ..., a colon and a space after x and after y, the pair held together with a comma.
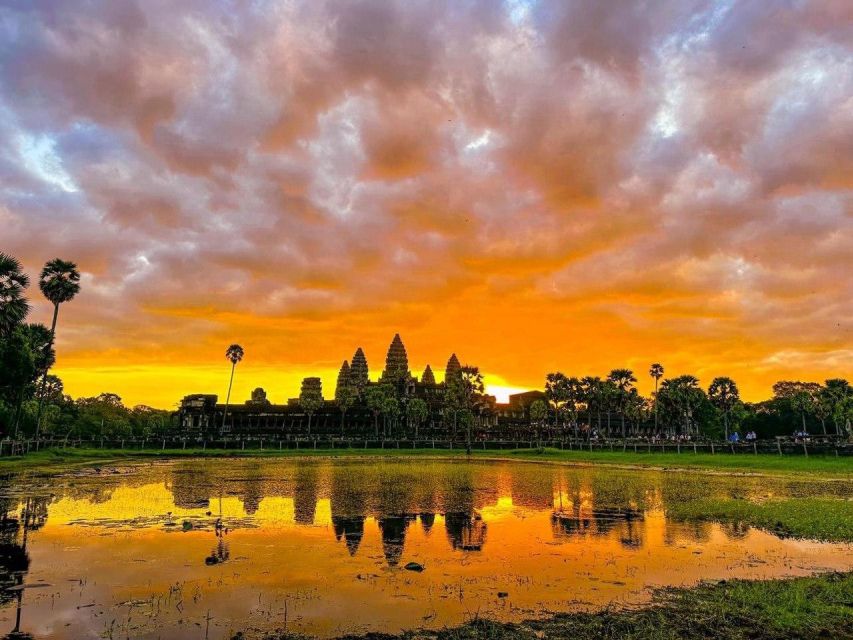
x: 14, y: 560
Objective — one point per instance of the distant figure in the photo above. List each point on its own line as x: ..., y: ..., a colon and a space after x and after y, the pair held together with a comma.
x: 735, y: 437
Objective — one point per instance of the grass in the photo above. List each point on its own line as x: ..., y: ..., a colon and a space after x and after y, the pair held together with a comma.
x: 814, y: 607
x: 739, y: 463
x: 816, y: 518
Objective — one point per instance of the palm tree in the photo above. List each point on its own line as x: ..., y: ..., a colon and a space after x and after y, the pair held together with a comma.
x: 59, y: 282
x: 623, y: 379
x: 234, y: 353
x: 724, y: 394
x: 656, y: 372
x: 13, y: 306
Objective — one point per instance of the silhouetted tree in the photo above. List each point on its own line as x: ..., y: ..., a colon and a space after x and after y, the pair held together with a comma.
x: 538, y: 415
x: 624, y: 380
x: 656, y: 372
x: 471, y: 389
x: 724, y: 395
x: 13, y: 305
x: 377, y: 398
x: 416, y: 412
x: 556, y: 393
x: 234, y: 353
x: 59, y: 282
x: 833, y: 395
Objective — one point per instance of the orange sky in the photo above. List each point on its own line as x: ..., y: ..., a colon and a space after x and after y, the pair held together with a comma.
x: 533, y: 185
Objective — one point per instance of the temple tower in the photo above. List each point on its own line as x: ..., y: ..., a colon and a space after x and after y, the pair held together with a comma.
x: 358, y: 371
x: 453, y: 369
x: 396, y: 363
x: 427, y: 377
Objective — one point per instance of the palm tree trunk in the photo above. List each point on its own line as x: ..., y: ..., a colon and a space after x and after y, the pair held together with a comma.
x: 44, y: 375
x: 656, y: 406
x: 343, y: 417
x: 309, y: 424
x: 228, y: 397
x: 726, y: 422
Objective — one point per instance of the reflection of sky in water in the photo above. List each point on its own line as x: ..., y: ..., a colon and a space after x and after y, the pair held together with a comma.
x: 320, y: 547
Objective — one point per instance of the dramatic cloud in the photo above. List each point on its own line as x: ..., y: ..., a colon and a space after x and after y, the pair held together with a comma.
x: 533, y: 184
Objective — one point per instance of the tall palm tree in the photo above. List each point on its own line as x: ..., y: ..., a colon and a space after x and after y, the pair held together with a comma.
x: 724, y: 394
x: 234, y: 353
x: 623, y: 379
x: 13, y: 306
x: 59, y: 282
x: 656, y: 372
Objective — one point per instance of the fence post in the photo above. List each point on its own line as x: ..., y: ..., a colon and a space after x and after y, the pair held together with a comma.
x: 754, y: 448
x: 694, y: 448
x: 779, y: 446
x: 164, y: 444
x: 805, y: 449
x: 262, y: 444
x: 712, y: 448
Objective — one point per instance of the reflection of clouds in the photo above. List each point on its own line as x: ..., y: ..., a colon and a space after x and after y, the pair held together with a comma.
x: 611, y: 162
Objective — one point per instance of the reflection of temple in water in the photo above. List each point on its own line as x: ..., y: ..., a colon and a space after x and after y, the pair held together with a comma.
x: 427, y: 520
x: 465, y: 531
x: 351, y: 529
x: 305, y: 493
x: 599, y: 522
x: 393, y: 529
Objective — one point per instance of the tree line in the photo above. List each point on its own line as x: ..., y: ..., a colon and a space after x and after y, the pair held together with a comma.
x: 679, y: 406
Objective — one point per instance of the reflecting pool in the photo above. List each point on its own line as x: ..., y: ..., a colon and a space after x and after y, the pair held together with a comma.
x: 206, y: 548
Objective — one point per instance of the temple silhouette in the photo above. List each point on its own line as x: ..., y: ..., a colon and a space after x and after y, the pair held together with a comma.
x: 202, y: 415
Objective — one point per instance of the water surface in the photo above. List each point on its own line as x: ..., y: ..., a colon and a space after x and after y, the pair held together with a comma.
x: 205, y: 548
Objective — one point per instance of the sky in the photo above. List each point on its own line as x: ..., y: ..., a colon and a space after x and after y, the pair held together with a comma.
x: 533, y: 185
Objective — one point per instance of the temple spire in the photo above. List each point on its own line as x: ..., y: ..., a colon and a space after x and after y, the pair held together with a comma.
x: 358, y: 371
x: 396, y: 363
x: 453, y: 370
x: 428, y: 377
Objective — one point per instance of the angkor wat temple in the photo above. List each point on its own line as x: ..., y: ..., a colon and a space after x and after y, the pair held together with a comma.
x: 203, y: 415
